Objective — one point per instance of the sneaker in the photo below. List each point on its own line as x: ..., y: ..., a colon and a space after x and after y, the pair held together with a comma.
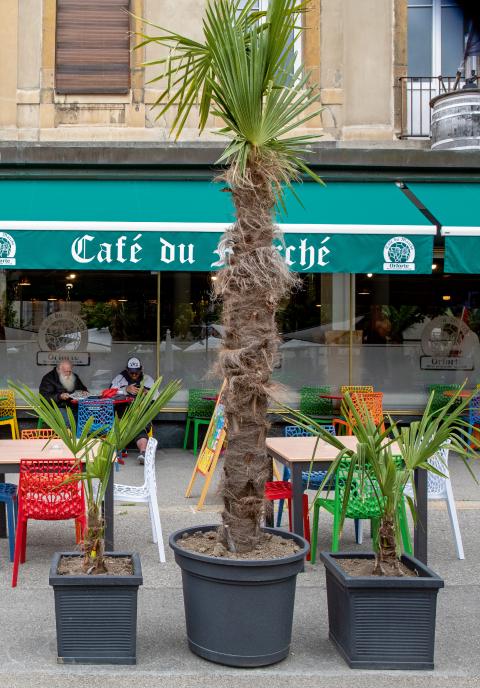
x: 141, y: 458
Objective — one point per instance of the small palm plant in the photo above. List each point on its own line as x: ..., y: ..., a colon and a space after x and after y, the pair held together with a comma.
x: 388, y: 472
x: 243, y: 72
x: 95, y: 454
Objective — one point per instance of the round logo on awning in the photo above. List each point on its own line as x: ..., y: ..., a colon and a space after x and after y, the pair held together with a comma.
x: 399, y: 254
x: 8, y: 248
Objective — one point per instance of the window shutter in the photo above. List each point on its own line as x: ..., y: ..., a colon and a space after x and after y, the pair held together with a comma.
x: 92, y: 46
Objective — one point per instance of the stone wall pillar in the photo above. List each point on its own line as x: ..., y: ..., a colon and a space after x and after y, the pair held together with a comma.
x: 8, y: 65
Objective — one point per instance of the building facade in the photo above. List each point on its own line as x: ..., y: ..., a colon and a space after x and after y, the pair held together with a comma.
x: 109, y: 229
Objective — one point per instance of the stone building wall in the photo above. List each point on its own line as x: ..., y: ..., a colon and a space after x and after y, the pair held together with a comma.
x: 354, y: 49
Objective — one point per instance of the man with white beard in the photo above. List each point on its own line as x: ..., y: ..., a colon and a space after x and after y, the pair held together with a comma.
x: 59, y: 383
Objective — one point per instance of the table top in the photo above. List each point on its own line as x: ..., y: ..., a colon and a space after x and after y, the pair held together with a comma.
x: 300, y: 449
x: 11, y: 451
x: 464, y: 394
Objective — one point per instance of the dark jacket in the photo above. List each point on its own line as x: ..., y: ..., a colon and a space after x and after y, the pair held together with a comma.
x: 51, y: 387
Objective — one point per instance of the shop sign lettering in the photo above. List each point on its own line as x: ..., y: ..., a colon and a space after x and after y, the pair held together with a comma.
x: 446, y: 363
x: 85, y: 249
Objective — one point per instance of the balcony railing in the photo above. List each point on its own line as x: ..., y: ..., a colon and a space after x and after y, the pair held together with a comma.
x: 417, y: 92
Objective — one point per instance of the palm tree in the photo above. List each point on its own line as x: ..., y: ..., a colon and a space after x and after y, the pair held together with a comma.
x: 244, y: 73
x: 97, y: 452
x: 386, y: 475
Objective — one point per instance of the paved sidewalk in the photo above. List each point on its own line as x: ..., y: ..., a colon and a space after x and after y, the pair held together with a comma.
x: 27, y: 633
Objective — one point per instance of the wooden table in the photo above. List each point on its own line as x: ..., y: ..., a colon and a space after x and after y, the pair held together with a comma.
x: 297, y: 452
x: 11, y: 451
x: 464, y: 394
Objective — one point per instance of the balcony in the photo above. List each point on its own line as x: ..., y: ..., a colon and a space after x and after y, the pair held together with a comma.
x: 417, y: 92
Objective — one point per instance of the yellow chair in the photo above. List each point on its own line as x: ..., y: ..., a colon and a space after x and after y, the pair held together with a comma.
x: 355, y: 388
x: 8, y: 412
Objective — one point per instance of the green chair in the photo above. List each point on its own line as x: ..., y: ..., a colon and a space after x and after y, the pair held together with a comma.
x: 200, y: 410
x: 439, y: 399
x: 362, y: 504
x: 311, y: 403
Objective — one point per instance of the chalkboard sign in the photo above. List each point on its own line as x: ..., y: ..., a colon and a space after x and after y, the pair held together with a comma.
x: 210, y: 451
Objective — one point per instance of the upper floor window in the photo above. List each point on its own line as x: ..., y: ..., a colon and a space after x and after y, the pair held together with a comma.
x: 436, y: 37
x: 92, y: 47
x: 262, y: 5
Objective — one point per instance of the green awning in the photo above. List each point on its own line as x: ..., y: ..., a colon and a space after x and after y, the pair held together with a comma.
x: 456, y: 206
x: 120, y: 224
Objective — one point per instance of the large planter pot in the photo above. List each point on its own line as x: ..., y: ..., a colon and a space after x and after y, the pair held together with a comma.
x: 381, y: 622
x: 96, y: 615
x: 239, y: 612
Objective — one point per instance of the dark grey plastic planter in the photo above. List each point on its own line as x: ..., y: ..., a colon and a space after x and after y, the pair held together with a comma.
x: 96, y: 615
x: 381, y: 622
x: 239, y: 612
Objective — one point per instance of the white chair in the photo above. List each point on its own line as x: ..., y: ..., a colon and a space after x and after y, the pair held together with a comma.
x: 146, y: 493
x: 441, y: 488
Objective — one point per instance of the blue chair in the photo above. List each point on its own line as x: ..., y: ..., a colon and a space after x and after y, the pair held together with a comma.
x: 311, y: 479
x: 474, y: 414
x: 8, y: 496
x: 100, y: 409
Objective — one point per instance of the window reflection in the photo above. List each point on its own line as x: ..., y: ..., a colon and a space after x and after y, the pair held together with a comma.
x: 398, y: 333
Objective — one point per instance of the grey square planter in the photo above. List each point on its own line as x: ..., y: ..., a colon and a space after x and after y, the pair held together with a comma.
x: 380, y: 622
x: 96, y: 616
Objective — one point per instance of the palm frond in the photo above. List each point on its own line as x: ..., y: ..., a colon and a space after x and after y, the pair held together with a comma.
x: 244, y: 73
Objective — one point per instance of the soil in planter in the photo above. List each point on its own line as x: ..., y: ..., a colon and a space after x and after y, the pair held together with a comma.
x: 116, y: 566
x: 270, y: 546
x: 364, y: 567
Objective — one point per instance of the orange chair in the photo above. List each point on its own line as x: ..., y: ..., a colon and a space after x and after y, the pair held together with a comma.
x: 38, y: 434
x: 8, y: 411
x: 44, y: 495
x: 370, y: 403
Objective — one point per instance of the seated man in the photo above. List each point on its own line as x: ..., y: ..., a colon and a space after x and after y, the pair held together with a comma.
x: 59, y: 383
x: 128, y: 382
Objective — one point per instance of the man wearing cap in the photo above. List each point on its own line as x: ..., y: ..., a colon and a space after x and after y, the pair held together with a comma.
x: 128, y: 382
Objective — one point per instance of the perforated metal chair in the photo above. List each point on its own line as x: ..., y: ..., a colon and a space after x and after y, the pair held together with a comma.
x: 102, y: 412
x: 8, y: 496
x: 8, y: 411
x: 368, y: 404
x: 365, y: 503
x: 145, y: 494
x: 439, y: 487
x: 199, y: 412
x: 43, y: 495
x: 355, y: 388
x: 38, y: 434
x: 312, y: 404
x: 474, y: 414
x: 311, y: 479
x: 439, y: 399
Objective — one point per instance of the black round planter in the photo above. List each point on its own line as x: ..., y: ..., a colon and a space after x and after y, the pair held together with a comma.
x: 239, y: 612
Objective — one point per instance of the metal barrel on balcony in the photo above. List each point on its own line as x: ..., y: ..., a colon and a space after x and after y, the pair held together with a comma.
x: 456, y: 120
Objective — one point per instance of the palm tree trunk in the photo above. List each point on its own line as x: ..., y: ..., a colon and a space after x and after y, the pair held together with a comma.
x: 251, y: 285
x: 93, y: 561
x: 387, y: 551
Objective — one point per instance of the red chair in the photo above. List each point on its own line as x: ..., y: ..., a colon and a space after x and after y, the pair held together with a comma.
x: 43, y: 495
x: 282, y: 489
